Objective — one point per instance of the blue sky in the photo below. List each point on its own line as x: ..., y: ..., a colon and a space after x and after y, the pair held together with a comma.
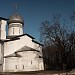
x: 35, y: 12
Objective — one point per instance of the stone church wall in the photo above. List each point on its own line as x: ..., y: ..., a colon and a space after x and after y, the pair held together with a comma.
x: 11, y: 64
x: 29, y: 61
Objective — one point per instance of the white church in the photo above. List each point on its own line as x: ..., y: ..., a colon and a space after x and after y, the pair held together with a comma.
x: 18, y: 51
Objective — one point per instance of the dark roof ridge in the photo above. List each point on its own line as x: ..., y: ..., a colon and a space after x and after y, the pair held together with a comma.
x: 20, y: 36
x: 3, y: 18
x: 37, y: 42
x: 29, y: 49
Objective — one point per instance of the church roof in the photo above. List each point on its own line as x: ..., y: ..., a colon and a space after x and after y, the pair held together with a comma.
x: 13, y: 55
x: 26, y: 48
x: 16, y: 18
x: 1, y: 18
x: 17, y: 36
x: 13, y: 38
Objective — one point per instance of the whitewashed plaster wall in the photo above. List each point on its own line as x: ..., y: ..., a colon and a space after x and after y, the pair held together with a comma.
x: 12, y: 46
x: 8, y: 48
x: 41, y: 64
x: 3, y: 29
x: 11, y: 64
x: 15, y: 29
x: 28, y: 62
x: 27, y: 58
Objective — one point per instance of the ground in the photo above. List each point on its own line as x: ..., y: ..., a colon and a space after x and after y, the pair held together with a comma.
x: 38, y: 73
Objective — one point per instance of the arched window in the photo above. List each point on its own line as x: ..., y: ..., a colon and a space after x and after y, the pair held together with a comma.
x: 13, y: 30
x: 23, y: 66
x: 31, y: 62
x: 16, y: 66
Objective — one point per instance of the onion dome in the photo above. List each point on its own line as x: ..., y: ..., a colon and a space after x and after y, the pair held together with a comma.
x: 16, y: 18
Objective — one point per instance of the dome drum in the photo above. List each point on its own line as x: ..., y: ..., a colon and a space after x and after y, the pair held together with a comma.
x: 15, y: 22
x: 15, y: 25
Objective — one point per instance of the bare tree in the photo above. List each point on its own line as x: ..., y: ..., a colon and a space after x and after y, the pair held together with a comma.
x: 54, y: 33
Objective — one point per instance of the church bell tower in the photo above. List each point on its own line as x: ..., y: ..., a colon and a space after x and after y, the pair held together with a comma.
x: 15, y: 25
